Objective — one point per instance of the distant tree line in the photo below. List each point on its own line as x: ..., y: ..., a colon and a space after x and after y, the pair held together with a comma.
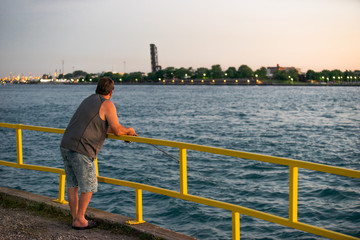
x: 333, y: 76
x: 215, y: 72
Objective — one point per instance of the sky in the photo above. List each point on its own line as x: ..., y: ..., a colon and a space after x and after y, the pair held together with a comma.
x: 115, y: 35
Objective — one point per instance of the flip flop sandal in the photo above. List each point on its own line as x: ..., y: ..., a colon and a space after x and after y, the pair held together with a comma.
x: 91, y: 224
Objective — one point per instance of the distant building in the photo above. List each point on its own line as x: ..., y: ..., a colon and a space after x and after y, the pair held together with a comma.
x: 154, y: 58
x: 271, y: 70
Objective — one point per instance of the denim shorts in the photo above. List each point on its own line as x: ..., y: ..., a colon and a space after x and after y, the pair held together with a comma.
x: 80, y: 171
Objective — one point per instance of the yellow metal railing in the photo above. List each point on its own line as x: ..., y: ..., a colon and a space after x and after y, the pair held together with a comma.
x: 236, y: 210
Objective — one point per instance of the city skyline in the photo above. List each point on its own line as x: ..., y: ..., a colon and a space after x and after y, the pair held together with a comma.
x: 111, y: 35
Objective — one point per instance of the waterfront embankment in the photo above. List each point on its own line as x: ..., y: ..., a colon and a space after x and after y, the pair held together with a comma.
x: 208, y: 81
x: 26, y: 215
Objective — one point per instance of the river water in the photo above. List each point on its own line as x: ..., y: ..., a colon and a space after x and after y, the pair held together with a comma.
x: 315, y: 124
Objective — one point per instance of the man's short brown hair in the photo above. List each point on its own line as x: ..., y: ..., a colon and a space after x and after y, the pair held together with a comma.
x: 105, y: 86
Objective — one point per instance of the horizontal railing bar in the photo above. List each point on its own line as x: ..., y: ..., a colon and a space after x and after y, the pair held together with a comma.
x: 246, y: 155
x: 189, y: 197
x: 33, y: 167
x: 32, y: 128
x: 44, y: 129
x: 9, y: 125
x: 214, y: 150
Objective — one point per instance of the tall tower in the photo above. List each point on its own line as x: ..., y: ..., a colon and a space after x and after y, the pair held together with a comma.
x: 154, y: 58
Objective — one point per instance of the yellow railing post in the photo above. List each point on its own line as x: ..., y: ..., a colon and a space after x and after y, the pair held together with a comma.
x: 293, y: 193
x: 139, y: 212
x: 19, y: 145
x: 235, y: 225
x: 61, y: 198
x: 183, y: 171
x: 96, y: 166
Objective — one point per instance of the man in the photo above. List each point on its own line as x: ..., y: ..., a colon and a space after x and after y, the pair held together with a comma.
x: 83, y: 138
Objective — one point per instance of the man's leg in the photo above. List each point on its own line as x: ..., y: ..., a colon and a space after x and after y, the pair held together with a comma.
x: 84, y: 201
x: 73, y: 201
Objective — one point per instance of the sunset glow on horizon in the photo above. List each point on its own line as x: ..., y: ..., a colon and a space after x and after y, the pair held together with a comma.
x: 96, y: 36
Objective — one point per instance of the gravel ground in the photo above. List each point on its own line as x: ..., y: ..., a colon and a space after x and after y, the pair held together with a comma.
x: 17, y: 223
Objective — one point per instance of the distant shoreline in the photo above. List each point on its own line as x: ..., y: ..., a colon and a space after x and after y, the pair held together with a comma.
x: 202, y: 82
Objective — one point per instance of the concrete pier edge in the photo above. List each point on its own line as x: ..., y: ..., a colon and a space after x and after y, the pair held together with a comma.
x: 91, y: 213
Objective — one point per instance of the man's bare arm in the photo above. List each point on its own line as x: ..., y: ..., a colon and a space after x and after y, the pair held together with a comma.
x: 115, y: 127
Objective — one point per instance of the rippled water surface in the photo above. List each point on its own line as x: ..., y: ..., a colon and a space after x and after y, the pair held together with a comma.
x: 315, y: 124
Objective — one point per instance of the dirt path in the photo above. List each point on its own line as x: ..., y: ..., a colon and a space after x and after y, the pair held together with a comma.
x: 25, y: 215
x: 17, y: 223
